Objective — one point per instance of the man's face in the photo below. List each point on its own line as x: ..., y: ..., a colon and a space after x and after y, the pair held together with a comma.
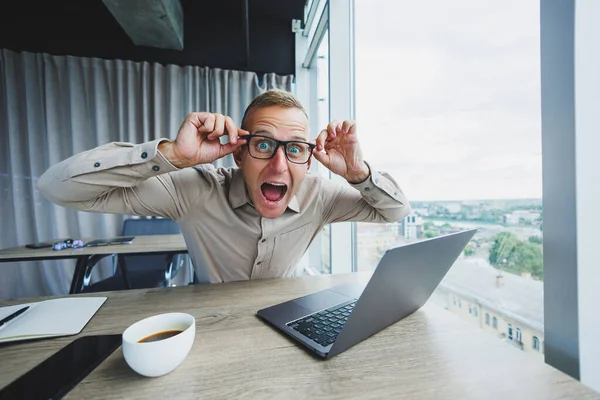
x: 272, y: 183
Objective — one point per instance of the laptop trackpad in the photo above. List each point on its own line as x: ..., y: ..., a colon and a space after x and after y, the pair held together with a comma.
x: 321, y: 300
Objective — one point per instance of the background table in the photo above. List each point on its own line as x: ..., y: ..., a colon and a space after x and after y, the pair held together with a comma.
x: 87, y: 257
x: 431, y: 354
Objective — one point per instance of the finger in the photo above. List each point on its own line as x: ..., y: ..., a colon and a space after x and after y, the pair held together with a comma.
x: 320, y: 141
x: 331, y: 128
x: 229, y: 148
x: 232, y: 130
x: 322, y: 157
x: 347, y: 126
x: 331, y: 143
x: 219, y: 127
x: 242, y: 132
x: 206, y: 122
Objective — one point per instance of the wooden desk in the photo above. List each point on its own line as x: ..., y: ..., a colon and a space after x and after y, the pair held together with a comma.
x: 431, y: 354
x: 87, y: 257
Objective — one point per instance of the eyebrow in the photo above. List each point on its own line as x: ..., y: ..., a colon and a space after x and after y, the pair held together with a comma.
x: 262, y: 132
x: 295, y: 137
x: 300, y: 137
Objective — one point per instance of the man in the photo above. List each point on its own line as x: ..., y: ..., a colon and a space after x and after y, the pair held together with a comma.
x: 251, y: 222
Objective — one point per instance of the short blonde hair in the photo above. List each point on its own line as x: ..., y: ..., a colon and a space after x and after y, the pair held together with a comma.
x: 273, y: 97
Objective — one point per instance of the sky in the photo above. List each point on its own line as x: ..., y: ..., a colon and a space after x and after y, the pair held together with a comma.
x: 448, y: 96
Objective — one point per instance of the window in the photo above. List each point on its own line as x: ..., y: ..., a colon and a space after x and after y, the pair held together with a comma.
x: 475, y: 312
x: 535, y: 345
x: 460, y: 131
x: 510, y: 332
x: 518, y: 335
x: 313, y: 88
x: 487, y: 318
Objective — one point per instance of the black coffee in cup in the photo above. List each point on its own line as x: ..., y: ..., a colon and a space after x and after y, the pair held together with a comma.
x: 160, y: 336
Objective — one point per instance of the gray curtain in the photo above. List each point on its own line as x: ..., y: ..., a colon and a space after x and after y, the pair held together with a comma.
x: 52, y: 107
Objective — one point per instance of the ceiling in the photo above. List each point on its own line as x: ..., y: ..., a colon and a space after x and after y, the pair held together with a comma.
x: 214, y: 34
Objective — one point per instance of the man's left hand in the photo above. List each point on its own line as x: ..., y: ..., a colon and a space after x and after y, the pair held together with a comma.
x: 339, y: 151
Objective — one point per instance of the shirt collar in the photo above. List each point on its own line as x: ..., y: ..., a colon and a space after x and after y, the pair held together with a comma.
x: 238, y: 195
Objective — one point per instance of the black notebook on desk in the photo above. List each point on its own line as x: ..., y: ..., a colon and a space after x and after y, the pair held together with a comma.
x: 110, y: 241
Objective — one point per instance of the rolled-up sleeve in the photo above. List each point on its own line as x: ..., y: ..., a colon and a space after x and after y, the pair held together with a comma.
x: 378, y: 199
x: 119, y: 178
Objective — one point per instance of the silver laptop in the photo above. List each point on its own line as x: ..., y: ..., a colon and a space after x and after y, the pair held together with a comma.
x: 331, y: 321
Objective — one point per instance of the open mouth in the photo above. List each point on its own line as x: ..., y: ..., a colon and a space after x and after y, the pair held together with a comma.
x: 273, y: 191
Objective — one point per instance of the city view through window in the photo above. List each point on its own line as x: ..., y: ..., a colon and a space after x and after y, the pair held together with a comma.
x: 448, y: 103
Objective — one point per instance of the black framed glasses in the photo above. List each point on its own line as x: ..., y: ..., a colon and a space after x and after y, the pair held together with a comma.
x: 265, y: 147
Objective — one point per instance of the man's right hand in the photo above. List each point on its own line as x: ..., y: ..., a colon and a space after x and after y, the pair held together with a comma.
x: 198, y: 141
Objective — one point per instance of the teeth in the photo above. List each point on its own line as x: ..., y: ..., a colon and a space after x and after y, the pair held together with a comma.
x: 276, y: 184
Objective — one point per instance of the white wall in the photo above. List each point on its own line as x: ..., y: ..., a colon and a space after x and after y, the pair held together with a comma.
x: 587, y: 147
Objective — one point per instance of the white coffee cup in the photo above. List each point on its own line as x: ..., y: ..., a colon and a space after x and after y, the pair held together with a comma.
x: 156, y: 358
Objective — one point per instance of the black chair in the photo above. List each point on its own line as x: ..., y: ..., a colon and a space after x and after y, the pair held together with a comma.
x: 142, y: 271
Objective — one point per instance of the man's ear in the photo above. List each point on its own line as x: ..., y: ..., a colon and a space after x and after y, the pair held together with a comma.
x: 237, y: 156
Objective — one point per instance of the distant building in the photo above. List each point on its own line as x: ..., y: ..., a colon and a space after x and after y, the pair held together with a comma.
x: 446, y: 229
x: 526, y: 215
x: 411, y: 227
x: 520, y: 216
x: 474, y: 214
x: 453, y: 207
x: 372, y: 241
x: 510, y: 306
x: 510, y: 219
x: 423, y: 212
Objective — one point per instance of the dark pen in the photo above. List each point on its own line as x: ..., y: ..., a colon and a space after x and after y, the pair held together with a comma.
x: 12, y: 316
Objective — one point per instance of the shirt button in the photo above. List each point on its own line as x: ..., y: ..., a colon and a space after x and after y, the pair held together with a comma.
x: 367, y: 188
x: 155, y: 168
x: 97, y: 164
x: 258, y: 263
x: 395, y: 193
x: 376, y: 180
x: 264, y: 240
x: 144, y: 155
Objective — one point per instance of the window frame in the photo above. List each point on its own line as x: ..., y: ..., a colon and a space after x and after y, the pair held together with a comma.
x: 569, y: 299
x: 569, y: 97
x: 335, y: 22
x: 307, y: 44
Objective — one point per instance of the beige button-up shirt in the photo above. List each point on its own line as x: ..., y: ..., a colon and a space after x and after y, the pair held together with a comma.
x: 226, y: 238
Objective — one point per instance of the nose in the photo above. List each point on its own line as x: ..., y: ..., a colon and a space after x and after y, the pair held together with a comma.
x: 279, y: 162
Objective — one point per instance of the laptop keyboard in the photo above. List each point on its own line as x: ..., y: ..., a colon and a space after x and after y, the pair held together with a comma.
x: 324, y: 327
